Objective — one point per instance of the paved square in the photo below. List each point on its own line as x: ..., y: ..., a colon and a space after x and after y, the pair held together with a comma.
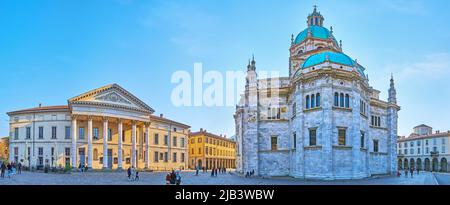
x: 189, y: 178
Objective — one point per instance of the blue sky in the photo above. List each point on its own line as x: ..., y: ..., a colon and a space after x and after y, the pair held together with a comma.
x: 53, y: 50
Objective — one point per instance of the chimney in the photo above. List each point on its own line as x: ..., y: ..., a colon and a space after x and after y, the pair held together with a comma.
x: 161, y: 115
x: 40, y: 104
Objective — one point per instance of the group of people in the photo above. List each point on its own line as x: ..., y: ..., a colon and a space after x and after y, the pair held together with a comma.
x: 82, y: 167
x: 173, y: 178
x: 10, y: 169
x: 410, y: 171
x: 133, y: 174
x: 221, y: 170
x: 249, y: 174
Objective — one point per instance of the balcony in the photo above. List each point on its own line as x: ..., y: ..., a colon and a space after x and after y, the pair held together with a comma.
x: 434, y: 154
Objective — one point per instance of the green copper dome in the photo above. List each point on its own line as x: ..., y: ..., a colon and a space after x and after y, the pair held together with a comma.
x: 316, y: 32
x: 332, y: 57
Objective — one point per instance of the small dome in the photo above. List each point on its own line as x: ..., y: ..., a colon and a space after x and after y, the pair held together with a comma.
x: 333, y: 57
x: 316, y: 31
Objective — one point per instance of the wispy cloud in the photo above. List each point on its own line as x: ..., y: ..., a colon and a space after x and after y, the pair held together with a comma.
x: 434, y: 66
x: 417, y: 7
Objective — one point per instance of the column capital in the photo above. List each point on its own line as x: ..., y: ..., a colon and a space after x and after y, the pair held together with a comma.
x: 105, y: 119
x: 90, y: 117
x: 74, y: 116
x: 147, y: 124
x: 133, y: 122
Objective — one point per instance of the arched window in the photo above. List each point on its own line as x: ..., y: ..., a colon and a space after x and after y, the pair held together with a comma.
x: 318, y: 100
x: 347, y: 101
x: 341, y: 100
x: 313, y: 101
x: 336, y: 99
x: 95, y: 154
x: 307, y: 102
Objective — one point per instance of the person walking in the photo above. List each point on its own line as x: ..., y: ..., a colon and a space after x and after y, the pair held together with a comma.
x: 3, y: 169
x: 133, y: 173
x: 19, y: 166
x: 406, y: 172
x: 168, y: 179
x: 177, y: 178
x: 129, y: 173
x: 212, y: 172
x: 172, y: 177
x: 9, y: 167
x: 136, y: 178
x: 217, y: 170
x: 418, y: 170
x: 412, y: 172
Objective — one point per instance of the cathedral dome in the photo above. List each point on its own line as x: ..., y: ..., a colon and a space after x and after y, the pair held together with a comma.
x: 332, y: 57
x: 316, y: 32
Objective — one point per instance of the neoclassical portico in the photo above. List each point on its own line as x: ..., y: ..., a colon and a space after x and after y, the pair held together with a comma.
x: 118, y: 112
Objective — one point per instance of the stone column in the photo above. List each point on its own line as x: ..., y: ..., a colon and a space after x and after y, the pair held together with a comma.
x: 105, y: 143
x: 133, y: 144
x: 147, y: 142
x: 74, y: 141
x: 120, y: 132
x: 90, y: 142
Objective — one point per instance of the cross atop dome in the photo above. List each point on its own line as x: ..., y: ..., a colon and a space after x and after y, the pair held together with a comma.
x: 315, y: 19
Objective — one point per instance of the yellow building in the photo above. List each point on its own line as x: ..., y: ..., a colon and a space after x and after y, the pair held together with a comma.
x: 4, y: 144
x: 208, y: 151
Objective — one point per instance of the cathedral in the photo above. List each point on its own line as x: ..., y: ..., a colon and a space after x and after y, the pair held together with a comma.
x: 323, y: 121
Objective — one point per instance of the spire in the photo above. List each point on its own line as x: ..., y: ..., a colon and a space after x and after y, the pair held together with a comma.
x: 315, y: 18
x: 392, y: 91
x: 251, y: 64
x: 292, y: 39
x: 340, y: 44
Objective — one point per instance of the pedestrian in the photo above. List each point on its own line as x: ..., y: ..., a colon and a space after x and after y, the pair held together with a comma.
x: 212, y: 172
x: 196, y: 170
x: 137, y: 176
x: 418, y: 170
x: 178, y: 178
x: 3, y: 169
x: 406, y: 172
x: 412, y: 172
x: 216, y: 172
x: 172, y: 177
x: 133, y: 173
x: 168, y: 179
x: 9, y: 167
x: 20, y: 168
x: 398, y: 173
x: 129, y: 173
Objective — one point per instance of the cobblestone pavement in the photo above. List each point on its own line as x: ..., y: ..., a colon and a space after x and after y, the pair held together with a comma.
x: 189, y: 178
x: 443, y: 178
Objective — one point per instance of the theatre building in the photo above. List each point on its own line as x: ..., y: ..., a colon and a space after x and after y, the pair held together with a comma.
x: 106, y: 128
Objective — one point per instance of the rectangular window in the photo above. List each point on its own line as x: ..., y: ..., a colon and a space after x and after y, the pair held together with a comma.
x: 199, y: 150
x: 16, y: 133
x: 28, y: 134
x: 95, y: 133
x: 53, y: 151
x: 206, y: 151
x: 53, y: 132
x: 109, y: 134
x: 427, y: 150
x: 174, y: 142
x: 67, y: 132
x: 362, y: 139
x: 375, y: 145
x: 274, y: 143
x: 312, y: 137
x: 411, y: 151
x: 166, y: 140
x: 41, y: 133
x: 418, y: 150
x: 182, y: 157
x: 156, y: 139
x: 295, y: 140
x: 40, y: 151
x: 67, y: 151
x: 174, y: 158
x: 341, y: 137
x: 183, y: 144
x: 443, y: 149
x: 166, y: 156
x: 81, y: 133
x: 200, y: 140
x: 155, y: 157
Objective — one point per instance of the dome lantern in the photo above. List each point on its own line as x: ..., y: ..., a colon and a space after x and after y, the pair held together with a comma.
x: 315, y: 19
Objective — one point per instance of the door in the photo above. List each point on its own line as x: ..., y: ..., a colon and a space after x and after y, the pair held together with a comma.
x: 82, y: 156
x: 110, y: 155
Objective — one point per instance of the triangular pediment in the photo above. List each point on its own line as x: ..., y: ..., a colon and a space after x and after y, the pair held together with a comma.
x: 111, y: 95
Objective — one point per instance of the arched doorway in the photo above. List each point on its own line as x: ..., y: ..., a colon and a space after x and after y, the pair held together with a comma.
x: 435, y: 165
x: 405, y: 164
x: 400, y: 164
x: 444, y: 165
x: 427, y: 165
x: 419, y: 163
x: 412, y: 164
